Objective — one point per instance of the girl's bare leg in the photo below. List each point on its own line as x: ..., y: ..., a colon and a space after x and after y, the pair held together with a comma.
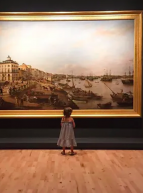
x: 63, y: 149
x: 72, y: 149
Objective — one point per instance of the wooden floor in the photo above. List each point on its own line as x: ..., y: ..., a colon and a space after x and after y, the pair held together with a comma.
x: 47, y: 171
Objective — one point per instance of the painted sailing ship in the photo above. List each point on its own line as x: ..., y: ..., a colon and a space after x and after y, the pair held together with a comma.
x: 66, y: 85
x: 128, y: 79
x: 107, y: 77
x: 122, y: 99
x: 82, y: 78
x: 90, y: 77
x: 67, y: 79
x: 87, y: 84
x: 81, y: 94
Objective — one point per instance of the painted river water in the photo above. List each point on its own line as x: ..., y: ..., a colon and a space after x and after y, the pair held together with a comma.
x: 101, y: 89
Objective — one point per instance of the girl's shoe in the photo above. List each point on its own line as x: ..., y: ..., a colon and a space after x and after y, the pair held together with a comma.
x: 72, y: 153
x: 63, y: 153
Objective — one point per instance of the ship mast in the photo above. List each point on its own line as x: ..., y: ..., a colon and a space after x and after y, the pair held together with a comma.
x: 107, y: 72
x: 129, y: 71
x: 72, y: 80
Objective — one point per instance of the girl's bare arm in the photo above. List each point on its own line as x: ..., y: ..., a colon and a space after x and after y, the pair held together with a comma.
x: 62, y: 121
x: 73, y: 122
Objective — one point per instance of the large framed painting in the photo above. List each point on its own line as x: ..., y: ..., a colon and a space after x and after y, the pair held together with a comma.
x: 90, y: 61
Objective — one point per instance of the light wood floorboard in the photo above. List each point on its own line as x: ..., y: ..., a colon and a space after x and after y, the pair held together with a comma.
x: 90, y: 171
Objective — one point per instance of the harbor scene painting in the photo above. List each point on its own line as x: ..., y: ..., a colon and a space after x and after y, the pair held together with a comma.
x: 49, y: 65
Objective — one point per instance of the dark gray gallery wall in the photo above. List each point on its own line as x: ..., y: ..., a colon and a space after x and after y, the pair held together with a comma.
x: 94, y: 133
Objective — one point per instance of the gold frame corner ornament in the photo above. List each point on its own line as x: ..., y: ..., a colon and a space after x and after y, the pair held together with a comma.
x: 137, y: 16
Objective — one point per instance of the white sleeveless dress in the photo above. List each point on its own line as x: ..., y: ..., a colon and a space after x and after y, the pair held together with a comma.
x: 67, y: 137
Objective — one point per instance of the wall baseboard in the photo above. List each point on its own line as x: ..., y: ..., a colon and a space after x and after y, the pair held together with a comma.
x: 83, y: 143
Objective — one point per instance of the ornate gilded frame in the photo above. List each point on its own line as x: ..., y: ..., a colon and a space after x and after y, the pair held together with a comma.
x: 90, y: 15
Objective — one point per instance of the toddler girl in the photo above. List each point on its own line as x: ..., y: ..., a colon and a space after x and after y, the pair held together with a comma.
x: 67, y: 138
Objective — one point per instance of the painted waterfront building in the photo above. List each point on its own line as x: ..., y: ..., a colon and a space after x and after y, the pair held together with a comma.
x: 9, y: 70
x: 22, y: 74
x: 49, y: 76
x: 26, y: 70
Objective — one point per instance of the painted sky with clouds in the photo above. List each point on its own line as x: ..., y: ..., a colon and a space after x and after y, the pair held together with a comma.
x: 83, y: 47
